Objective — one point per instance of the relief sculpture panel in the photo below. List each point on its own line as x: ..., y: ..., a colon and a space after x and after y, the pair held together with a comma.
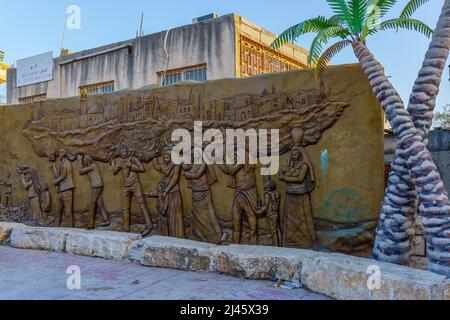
x: 107, y: 163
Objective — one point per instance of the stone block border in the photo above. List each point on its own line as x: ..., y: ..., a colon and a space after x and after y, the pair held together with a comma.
x: 335, y: 275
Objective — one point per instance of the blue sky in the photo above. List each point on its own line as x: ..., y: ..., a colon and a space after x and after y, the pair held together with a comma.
x: 32, y: 27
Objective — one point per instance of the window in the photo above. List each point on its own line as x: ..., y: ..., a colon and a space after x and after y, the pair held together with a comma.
x: 195, y: 75
x: 99, y: 88
x: 37, y: 97
x: 170, y: 77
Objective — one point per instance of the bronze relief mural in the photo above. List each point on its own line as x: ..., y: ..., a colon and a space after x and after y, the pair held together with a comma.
x: 107, y: 160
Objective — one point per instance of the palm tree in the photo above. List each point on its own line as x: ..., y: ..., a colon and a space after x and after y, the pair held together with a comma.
x: 400, y: 202
x: 414, y: 173
x: 354, y: 21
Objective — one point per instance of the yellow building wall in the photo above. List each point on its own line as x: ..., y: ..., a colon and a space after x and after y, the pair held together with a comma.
x: 250, y: 30
x: 3, y: 68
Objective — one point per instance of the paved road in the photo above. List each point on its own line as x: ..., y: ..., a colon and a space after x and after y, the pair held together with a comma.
x: 39, y: 275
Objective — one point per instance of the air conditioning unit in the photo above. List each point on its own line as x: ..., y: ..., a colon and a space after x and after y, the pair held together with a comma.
x: 206, y: 18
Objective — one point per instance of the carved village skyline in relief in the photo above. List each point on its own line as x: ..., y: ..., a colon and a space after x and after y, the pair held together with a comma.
x: 145, y: 121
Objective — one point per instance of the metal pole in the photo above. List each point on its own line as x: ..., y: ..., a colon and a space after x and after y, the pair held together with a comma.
x: 65, y: 27
x: 142, y: 23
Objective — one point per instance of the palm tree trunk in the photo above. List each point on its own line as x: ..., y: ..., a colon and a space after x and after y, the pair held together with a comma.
x: 426, y: 88
x: 396, y: 227
x: 435, y: 206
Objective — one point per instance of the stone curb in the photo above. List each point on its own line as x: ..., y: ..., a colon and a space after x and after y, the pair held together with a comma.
x: 5, y: 231
x: 101, y: 244
x: 348, y: 278
x: 335, y: 275
x: 172, y: 253
x: 257, y: 262
x: 33, y: 238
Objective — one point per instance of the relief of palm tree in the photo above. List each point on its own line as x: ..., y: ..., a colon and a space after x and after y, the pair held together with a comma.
x: 414, y: 177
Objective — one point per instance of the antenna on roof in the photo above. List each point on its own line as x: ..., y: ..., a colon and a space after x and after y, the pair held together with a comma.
x: 141, y: 30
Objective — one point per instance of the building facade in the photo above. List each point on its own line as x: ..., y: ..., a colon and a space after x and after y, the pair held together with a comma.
x: 224, y: 47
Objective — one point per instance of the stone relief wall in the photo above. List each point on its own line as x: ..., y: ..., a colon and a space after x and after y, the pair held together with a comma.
x: 104, y: 162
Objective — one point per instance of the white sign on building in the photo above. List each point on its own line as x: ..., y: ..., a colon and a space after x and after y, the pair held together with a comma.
x: 35, y: 69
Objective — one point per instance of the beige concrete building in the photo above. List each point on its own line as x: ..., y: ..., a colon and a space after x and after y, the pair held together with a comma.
x: 214, y: 48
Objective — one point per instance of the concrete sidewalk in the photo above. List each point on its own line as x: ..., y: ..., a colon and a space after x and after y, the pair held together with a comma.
x: 40, y: 275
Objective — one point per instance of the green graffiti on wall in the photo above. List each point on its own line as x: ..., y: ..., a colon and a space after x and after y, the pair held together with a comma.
x: 344, y: 203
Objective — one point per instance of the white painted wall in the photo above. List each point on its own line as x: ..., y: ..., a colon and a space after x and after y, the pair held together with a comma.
x: 211, y: 42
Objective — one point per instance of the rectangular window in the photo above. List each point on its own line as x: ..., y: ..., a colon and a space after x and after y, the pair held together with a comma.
x: 171, y: 79
x: 36, y: 97
x: 99, y: 88
x: 197, y: 73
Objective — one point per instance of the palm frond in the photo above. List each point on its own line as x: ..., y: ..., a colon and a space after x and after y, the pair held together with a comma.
x: 337, y: 20
x: 322, y: 38
x: 404, y: 23
x: 328, y: 54
x: 341, y: 9
x: 412, y: 7
x: 304, y: 27
x: 315, y: 49
x: 358, y: 10
x: 380, y: 7
x: 376, y: 10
